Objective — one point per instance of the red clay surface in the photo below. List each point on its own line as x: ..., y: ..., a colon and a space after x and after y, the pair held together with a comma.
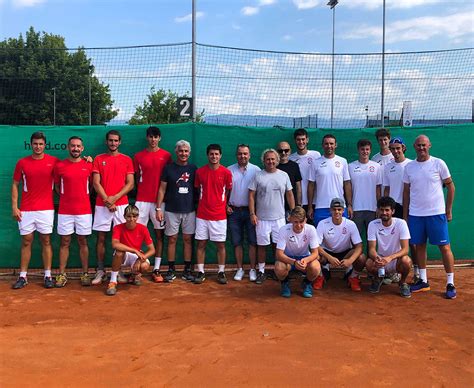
x: 236, y: 335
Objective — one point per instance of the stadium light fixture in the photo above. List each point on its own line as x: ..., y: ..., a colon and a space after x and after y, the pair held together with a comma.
x: 332, y: 4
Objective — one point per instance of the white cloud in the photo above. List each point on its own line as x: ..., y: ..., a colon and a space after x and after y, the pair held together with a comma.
x: 305, y: 4
x: 26, y: 3
x: 249, y: 11
x: 374, y: 4
x: 266, y: 2
x: 188, y: 17
x: 422, y: 28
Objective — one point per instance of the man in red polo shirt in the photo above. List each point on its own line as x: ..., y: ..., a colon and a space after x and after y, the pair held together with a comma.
x: 149, y: 165
x: 72, y: 178
x: 113, y: 180
x: 36, y: 211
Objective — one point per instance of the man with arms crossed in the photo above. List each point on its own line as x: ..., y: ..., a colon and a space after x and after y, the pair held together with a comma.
x: 267, y: 194
x: 427, y: 213
x: 148, y: 165
x: 72, y: 178
x: 297, y: 250
x: 238, y: 215
x: 214, y: 182
x: 340, y: 247
x: 388, y: 247
x: 113, y: 180
x: 305, y: 159
x: 36, y: 212
x: 177, y: 190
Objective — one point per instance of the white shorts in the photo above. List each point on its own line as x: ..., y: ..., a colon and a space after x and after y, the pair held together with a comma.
x: 174, y: 220
x: 80, y: 224
x: 211, y: 230
x: 267, y: 229
x: 40, y: 221
x: 148, y: 212
x: 103, y: 218
x: 391, y: 267
x: 130, y: 259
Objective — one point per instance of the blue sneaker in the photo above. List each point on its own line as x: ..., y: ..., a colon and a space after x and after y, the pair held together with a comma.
x: 450, y: 291
x: 285, y: 289
x: 307, y: 289
x: 420, y: 286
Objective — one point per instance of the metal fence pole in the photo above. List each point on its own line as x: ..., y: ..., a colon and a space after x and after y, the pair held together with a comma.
x: 193, y: 70
x: 382, y: 118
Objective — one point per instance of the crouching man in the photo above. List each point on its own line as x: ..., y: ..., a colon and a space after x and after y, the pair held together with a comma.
x: 127, y: 240
x: 297, y: 250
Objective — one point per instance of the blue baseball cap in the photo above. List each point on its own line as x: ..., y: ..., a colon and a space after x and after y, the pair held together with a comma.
x: 397, y: 140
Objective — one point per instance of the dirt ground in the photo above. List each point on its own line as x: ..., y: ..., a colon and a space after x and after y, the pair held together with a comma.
x: 241, y: 334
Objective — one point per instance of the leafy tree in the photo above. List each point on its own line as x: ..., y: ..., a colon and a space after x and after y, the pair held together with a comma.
x: 34, y: 68
x: 159, y: 107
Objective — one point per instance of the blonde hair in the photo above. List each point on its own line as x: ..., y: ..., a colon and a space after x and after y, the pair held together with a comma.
x: 299, y: 213
x: 131, y: 210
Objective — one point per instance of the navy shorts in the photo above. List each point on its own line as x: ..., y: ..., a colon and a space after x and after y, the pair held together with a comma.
x: 239, y: 221
x: 434, y: 228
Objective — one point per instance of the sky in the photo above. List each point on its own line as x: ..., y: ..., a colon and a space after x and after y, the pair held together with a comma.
x: 279, y: 25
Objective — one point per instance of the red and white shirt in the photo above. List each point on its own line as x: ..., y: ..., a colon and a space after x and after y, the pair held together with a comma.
x: 74, y: 182
x: 113, y: 171
x: 38, y: 182
x: 132, y: 238
x: 213, y: 186
x: 149, y: 166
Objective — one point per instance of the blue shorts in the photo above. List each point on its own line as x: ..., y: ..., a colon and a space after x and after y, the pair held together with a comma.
x: 237, y: 222
x: 323, y: 213
x: 298, y: 258
x: 435, y: 228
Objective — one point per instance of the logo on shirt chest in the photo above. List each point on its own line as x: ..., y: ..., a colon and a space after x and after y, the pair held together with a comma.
x: 371, y: 168
x: 292, y: 238
x: 344, y: 230
x: 104, y: 163
x: 184, y: 177
x: 323, y: 164
x: 337, y: 164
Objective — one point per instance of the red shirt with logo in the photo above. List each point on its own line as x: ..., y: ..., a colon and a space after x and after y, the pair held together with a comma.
x: 148, y: 166
x: 37, y: 179
x: 74, y: 182
x: 213, y: 186
x: 113, y: 171
x: 132, y: 238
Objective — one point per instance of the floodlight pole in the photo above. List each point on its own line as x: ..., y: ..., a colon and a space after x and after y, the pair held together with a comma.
x: 382, y: 118
x: 193, y: 64
x: 332, y: 4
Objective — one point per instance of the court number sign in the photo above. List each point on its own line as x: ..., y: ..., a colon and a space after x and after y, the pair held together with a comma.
x: 185, y: 106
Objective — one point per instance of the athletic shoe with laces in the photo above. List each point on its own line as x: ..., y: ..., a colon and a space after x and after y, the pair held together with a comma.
x: 20, y: 283
x: 85, y: 280
x: 405, y: 290
x: 376, y: 285
x: 420, y: 286
x: 156, y: 276
x: 285, y: 291
x: 99, y: 277
x: 61, y: 280
x: 450, y: 291
x: 188, y: 276
x: 252, y: 275
x: 121, y: 278
x: 354, y: 283
x: 111, y: 289
x: 393, y: 278
x: 48, y: 282
x: 239, y: 275
x: 199, y: 278
x: 260, y: 277
x: 170, y: 275
x: 221, y: 278
x: 307, y: 289
x: 136, y: 279
x: 318, y: 283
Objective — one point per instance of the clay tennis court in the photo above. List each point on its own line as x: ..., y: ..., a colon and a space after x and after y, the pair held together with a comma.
x: 236, y: 335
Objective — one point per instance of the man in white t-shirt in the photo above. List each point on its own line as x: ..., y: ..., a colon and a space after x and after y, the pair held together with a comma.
x: 427, y: 212
x: 329, y: 178
x: 388, y: 247
x: 340, y: 247
x: 305, y: 159
x: 383, y: 138
x: 297, y: 250
x: 366, y: 179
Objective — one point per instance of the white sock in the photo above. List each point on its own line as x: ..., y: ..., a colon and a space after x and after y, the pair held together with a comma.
x: 423, y: 275
x: 113, y: 276
x: 47, y: 273
x: 200, y: 267
x: 23, y: 274
x: 221, y: 268
x: 157, y: 263
x: 416, y: 270
x: 326, y: 266
x: 354, y: 274
x: 450, y: 278
x: 261, y: 267
x: 348, y: 269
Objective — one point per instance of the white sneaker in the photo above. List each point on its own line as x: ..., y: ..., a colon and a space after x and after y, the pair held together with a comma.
x: 121, y: 279
x: 99, y: 277
x: 239, y: 275
x: 253, y: 275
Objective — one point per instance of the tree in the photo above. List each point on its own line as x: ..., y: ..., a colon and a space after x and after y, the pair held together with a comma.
x: 38, y: 67
x: 160, y: 108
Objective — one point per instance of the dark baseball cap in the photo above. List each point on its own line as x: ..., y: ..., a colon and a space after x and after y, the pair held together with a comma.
x: 337, y: 202
x: 397, y: 140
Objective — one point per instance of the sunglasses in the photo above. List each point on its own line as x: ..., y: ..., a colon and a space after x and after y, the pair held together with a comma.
x: 283, y: 150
